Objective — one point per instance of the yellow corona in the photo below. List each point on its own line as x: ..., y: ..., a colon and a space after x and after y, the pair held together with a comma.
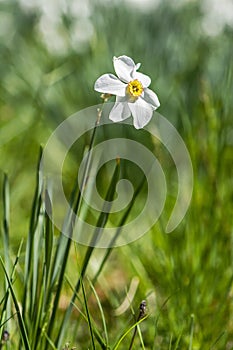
x: 135, y: 88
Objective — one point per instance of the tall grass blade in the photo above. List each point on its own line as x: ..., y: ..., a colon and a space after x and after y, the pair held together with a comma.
x: 48, y: 235
x: 64, y: 243
x: 177, y: 344
x: 5, y: 314
x: 101, y: 312
x: 118, y: 231
x: 6, y: 220
x: 3, y: 318
x: 35, y: 213
x: 88, y: 314
x: 97, y: 334
x: 36, y: 334
x: 170, y: 343
x: 17, y: 307
x: 103, y: 217
x: 191, y: 333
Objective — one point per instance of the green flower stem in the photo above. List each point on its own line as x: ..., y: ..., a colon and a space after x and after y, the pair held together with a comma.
x: 62, y: 253
x: 100, y: 225
x: 140, y: 316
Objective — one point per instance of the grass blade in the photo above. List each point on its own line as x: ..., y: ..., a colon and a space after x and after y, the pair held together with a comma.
x: 48, y: 235
x: 88, y: 314
x: 118, y: 231
x: 191, y: 333
x: 177, y: 344
x: 217, y: 340
x: 3, y: 317
x: 35, y: 213
x: 142, y: 311
x: 116, y: 346
x: 17, y: 307
x: 6, y: 220
x: 99, y: 226
x: 97, y: 334
x: 5, y: 314
x: 101, y: 312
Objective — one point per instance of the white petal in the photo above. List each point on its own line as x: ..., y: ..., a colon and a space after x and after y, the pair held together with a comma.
x: 151, y: 98
x: 123, y: 66
x: 110, y: 84
x: 120, y: 110
x: 142, y: 113
x: 144, y: 79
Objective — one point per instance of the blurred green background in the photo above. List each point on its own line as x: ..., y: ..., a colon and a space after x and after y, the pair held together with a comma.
x: 51, y: 53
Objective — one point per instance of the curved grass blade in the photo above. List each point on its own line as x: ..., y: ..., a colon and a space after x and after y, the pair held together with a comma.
x: 17, y: 307
x: 116, y: 346
x: 101, y: 312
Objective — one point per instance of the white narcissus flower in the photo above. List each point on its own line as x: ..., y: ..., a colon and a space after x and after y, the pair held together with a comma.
x: 131, y: 90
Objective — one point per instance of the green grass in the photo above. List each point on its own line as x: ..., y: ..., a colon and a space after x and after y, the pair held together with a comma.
x: 57, y: 294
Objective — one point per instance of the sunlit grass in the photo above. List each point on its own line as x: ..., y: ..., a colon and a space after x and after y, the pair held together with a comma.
x: 56, y: 294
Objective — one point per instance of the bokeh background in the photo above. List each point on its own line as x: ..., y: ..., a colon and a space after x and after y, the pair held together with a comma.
x: 51, y: 53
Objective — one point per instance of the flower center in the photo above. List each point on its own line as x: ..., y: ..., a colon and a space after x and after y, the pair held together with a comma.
x: 135, y: 88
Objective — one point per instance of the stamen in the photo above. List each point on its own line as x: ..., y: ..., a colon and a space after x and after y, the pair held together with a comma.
x: 135, y: 88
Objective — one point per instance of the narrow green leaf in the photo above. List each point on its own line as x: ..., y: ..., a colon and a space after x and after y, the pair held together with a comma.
x: 6, y: 220
x: 17, y: 307
x: 116, y: 346
x: 4, y: 318
x: 37, y: 325
x: 217, y: 340
x: 170, y: 343
x: 101, y: 312
x: 48, y: 234
x: 35, y: 213
x: 178, y: 341
x: 62, y: 252
x: 191, y: 333
x: 88, y: 314
x: 100, y: 225
x: 50, y: 342
x: 140, y: 337
x: 5, y: 314
x: 98, y: 337
x: 63, y: 246
x: 118, y: 231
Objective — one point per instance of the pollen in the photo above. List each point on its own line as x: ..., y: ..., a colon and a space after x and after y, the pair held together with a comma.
x: 135, y: 88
